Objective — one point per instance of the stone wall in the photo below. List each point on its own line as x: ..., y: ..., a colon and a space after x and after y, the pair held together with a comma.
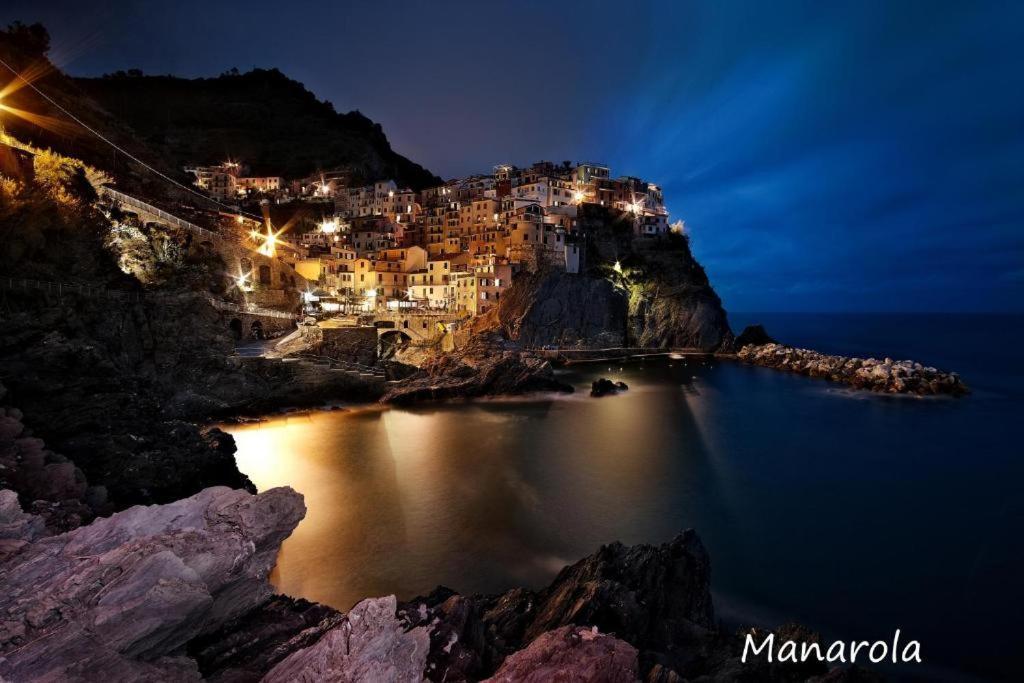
x: 354, y: 344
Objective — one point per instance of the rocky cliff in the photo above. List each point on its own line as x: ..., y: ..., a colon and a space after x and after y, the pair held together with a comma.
x: 487, y: 366
x: 631, y: 291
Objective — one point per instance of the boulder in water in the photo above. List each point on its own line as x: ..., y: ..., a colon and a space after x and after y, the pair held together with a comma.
x: 605, y: 387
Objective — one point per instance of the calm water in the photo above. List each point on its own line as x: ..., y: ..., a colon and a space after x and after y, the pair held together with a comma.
x: 855, y: 514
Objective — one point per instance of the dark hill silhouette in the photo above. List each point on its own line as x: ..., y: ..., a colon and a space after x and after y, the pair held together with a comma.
x: 263, y: 118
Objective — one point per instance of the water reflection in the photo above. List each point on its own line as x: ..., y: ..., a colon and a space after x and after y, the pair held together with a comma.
x: 833, y: 512
x: 479, y: 496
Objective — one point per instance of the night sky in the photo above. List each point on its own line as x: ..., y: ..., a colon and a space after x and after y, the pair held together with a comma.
x: 826, y: 157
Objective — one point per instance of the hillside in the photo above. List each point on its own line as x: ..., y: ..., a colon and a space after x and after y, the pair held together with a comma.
x: 45, y: 126
x: 263, y: 118
x: 272, y: 123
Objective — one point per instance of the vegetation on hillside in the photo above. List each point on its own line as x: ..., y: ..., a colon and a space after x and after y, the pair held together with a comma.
x: 49, y: 227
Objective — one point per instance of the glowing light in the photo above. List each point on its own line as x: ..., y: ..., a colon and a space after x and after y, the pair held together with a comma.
x: 635, y: 208
x: 329, y: 226
x: 269, y: 243
x: 45, y: 122
x: 371, y: 292
x: 239, y: 218
x: 617, y: 267
x: 242, y: 281
x: 577, y: 196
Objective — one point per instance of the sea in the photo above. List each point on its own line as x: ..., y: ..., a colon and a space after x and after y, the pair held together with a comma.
x: 852, y: 513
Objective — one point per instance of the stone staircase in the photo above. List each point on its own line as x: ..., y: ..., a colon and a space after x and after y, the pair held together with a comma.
x: 366, y: 372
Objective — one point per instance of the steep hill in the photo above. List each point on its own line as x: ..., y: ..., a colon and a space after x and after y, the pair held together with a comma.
x: 262, y: 117
x: 631, y: 292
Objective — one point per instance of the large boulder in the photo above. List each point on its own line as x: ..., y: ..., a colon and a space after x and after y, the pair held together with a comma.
x: 117, y: 598
x: 483, y: 368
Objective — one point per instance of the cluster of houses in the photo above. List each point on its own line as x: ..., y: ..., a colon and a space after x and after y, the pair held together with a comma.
x: 455, y: 247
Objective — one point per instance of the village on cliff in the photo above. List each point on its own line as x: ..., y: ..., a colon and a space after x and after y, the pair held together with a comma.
x: 453, y: 248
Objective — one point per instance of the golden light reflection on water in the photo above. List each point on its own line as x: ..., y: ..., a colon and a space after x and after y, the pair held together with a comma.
x: 477, y: 496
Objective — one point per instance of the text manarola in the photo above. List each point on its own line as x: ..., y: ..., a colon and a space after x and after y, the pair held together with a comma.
x: 839, y: 651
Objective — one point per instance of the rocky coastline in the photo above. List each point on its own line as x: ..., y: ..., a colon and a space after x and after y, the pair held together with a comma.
x: 485, y: 366
x: 179, y: 592
x: 884, y: 376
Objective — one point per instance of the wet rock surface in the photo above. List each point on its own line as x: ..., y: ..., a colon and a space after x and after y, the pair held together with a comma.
x: 884, y: 376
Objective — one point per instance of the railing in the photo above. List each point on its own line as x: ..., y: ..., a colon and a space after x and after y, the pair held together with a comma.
x: 251, y: 309
x: 156, y: 211
x: 61, y: 288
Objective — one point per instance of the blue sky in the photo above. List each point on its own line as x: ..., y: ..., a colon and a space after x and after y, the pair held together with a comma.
x: 864, y: 156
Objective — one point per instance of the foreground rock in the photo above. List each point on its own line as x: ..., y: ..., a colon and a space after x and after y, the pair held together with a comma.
x: 605, y: 386
x: 179, y: 593
x: 370, y: 644
x: 245, y: 648
x: 484, y: 368
x: 885, y: 376
x: 571, y: 653
x: 656, y: 598
x: 118, y: 599
x: 47, y: 483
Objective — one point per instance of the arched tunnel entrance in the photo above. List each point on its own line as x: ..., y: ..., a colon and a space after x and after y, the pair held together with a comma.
x: 256, y: 330
x: 236, y: 328
x: 390, y: 342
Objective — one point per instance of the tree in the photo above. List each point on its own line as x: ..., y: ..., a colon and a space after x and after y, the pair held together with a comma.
x: 32, y: 40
